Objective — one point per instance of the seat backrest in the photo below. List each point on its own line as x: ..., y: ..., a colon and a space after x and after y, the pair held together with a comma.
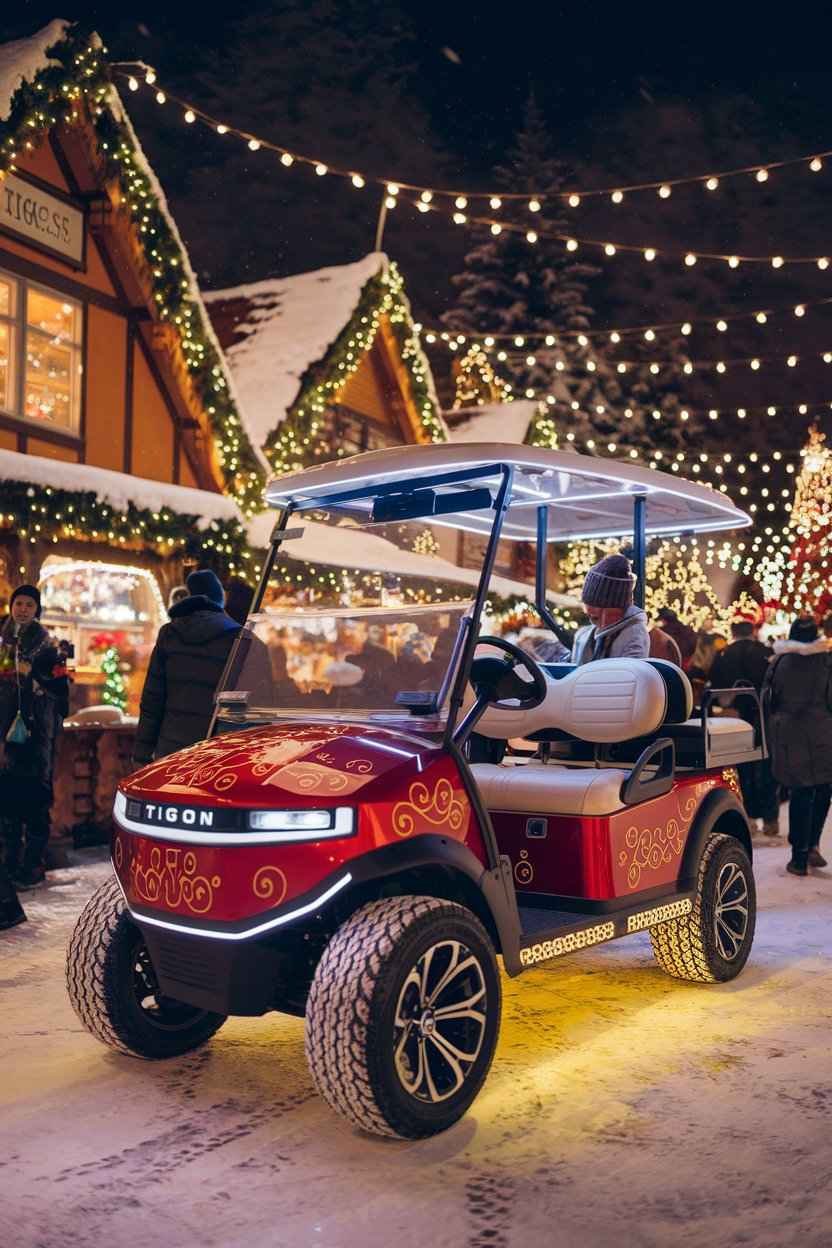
x: 679, y: 691
x: 611, y: 700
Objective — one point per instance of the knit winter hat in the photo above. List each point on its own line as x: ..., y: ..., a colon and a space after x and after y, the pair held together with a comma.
x: 609, y: 584
x: 207, y: 584
x: 804, y: 629
x: 27, y: 591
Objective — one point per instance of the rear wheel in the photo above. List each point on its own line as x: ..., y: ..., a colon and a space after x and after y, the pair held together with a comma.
x: 113, y: 988
x: 712, y: 943
x: 403, y: 1016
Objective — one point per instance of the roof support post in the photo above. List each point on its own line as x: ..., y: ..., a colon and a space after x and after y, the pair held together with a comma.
x: 639, y: 547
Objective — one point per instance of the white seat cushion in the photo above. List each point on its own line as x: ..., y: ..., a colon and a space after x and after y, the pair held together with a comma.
x: 612, y: 700
x: 538, y: 788
x: 727, y: 735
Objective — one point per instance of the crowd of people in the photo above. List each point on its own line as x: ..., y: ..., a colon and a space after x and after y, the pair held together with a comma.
x: 793, y: 679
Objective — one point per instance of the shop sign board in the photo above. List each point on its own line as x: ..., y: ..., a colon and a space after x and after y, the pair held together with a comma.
x: 38, y: 215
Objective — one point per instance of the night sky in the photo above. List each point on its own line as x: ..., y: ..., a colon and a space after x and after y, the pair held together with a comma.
x: 433, y: 93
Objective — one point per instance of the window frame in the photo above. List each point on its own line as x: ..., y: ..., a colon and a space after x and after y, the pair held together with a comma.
x: 20, y: 327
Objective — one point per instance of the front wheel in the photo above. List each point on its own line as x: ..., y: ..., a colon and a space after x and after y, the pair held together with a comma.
x: 113, y: 988
x: 403, y: 1016
x: 712, y: 943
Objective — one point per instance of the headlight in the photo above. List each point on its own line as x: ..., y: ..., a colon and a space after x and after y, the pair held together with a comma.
x: 304, y: 825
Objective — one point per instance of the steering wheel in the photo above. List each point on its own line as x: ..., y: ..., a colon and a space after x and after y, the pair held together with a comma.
x: 496, y: 678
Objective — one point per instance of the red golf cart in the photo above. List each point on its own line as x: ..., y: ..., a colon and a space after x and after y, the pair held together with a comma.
x: 355, y: 842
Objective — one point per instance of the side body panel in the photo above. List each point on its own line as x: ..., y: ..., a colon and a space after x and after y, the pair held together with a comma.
x: 604, y: 858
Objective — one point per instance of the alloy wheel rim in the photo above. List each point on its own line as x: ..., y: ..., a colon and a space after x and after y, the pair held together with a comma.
x: 731, y: 911
x: 440, y: 1022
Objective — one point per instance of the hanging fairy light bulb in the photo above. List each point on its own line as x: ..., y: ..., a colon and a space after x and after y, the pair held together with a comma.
x: 649, y: 254
x: 321, y: 169
x: 287, y: 159
x: 816, y: 164
x: 254, y: 145
x: 531, y: 236
x: 357, y: 180
x: 495, y: 202
x: 534, y: 205
x: 150, y: 76
x: 733, y: 261
x: 777, y: 262
x: 712, y: 183
x: 221, y: 129
x: 664, y: 191
x: 426, y: 197
x: 609, y: 249
x: 460, y: 202
x: 690, y: 259
x: 574, y: 200
x: 496, y: 229
x: 617, y: 197
x: 133, y: 83
x: 160, y: 97
x: 571, y: 244
x: 190, y: 116
x: 762, y: 175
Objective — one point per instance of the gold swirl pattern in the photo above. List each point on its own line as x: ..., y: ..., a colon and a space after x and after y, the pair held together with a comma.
x: 648, y: 849
x: 174, y: 883
x: 439, y: 808
x: 270, y: 884
x: 362, y: 765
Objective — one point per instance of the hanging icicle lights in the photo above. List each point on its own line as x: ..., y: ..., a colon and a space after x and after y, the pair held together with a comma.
x: 137, y: 73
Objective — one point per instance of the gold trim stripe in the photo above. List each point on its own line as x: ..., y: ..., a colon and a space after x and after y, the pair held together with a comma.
x: 659, y: 914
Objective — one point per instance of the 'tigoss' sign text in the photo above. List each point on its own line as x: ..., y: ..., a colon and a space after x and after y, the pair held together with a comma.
x: 34, y: 214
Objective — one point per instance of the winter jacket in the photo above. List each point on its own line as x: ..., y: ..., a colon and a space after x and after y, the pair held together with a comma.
x: 744, y: 661
x: 42, y: 696
x: 662, y: 646
x: 185, y: 667
x: 797, y: 694
x: 683, y: 635
x: 628, y: 639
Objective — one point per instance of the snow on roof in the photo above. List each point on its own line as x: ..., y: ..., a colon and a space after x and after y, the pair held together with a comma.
x: 274, y: 330
x: 22, y: 59
x: 492, y: 422
x: 194, y: 293
x: 117, y: 488
x: 348, y: 547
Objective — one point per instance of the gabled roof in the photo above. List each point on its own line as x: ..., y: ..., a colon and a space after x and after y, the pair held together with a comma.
x: 294, y: 342
x: 53, y: 76
x: 23, y: 58
x: 274, y: 331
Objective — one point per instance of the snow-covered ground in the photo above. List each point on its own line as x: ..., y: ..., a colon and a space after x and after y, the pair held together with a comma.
x: 623, y: 1107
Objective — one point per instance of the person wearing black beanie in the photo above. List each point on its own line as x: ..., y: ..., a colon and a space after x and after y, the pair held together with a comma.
x: 185, y: 667
x: 34, y: 698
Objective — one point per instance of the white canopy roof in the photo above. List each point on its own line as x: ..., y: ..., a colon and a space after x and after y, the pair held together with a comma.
x: 587, y: 497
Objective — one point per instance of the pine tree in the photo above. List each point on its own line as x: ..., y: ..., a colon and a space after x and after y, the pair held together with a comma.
x: 510, y: 286
x: 114, y: 692
x: 806, y: 580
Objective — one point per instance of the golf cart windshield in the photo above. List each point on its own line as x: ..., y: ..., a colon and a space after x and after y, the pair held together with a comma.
x: 376, y: 663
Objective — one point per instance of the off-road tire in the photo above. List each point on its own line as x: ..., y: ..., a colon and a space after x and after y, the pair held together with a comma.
x: 687, y: 947
x: 352, y: 1005
x: 101, y: 981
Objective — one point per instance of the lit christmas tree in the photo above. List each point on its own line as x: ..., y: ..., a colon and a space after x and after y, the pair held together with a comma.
x: 512, y: 287
x: 477, y: 382
x: 806, y: 586
x: 115, y: 686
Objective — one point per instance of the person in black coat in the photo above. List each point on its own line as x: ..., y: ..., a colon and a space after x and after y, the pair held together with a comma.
x: 798, y: 697
x: 745, y: 662
x: 185, y: 667
x: 34, y: 699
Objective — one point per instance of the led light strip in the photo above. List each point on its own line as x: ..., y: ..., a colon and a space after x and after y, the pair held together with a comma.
x: 344, y: 826
x: 279, y: 921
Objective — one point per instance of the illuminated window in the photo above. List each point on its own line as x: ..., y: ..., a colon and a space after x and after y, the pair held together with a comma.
x: 40, y: 355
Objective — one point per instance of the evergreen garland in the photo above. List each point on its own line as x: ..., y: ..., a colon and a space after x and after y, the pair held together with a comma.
x: 52, y: 514
x: 293, y: 445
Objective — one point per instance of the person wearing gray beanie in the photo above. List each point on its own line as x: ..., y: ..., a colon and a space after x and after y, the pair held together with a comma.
x: 617, y: 629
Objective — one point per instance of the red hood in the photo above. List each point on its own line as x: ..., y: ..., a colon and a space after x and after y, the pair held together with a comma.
x: 319, y: 764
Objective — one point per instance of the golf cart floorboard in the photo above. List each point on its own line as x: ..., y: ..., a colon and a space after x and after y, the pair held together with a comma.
x: 548, y: 933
